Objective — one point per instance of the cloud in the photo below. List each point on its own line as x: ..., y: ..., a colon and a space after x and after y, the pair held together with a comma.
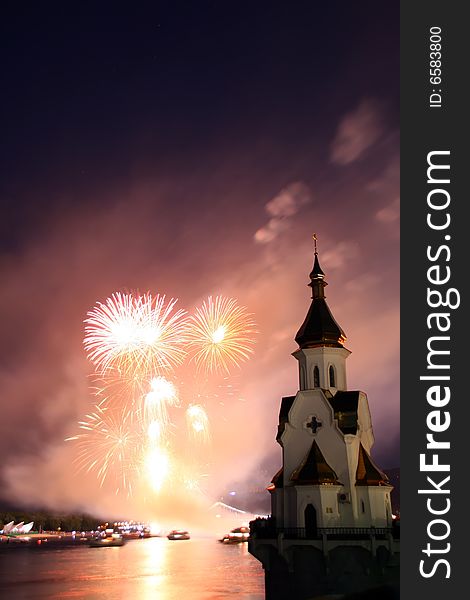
x: 281, y: 210
x: 337, y: 256
x: 357, y: 132
x: 390, y: 213
x: 386, y: 189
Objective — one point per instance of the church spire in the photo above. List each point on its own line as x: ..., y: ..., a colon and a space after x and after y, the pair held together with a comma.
x: 317, y: 277
x: 319, y: 327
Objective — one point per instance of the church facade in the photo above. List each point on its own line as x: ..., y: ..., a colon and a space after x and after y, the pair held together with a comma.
x: 330, y: 502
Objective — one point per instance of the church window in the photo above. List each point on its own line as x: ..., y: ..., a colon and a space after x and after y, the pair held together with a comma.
x: 332, y: 376
x: 310, y: 516
x: 316, y: 377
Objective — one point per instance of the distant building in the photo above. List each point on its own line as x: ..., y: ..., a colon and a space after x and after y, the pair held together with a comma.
x: 12, y: 529
x: 331, y: 527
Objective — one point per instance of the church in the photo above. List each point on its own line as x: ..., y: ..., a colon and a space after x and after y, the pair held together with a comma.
x: 330, y: 529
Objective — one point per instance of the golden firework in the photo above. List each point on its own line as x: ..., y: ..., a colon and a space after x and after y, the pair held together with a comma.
x: 110, y: 444
x: 221, y: 335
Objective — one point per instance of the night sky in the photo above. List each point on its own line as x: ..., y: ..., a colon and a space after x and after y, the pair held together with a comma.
x: 192, y: 148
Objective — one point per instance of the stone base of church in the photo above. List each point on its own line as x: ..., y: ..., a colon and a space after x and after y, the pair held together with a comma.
x: 304, y: 571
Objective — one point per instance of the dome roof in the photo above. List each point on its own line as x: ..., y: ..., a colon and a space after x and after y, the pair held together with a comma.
x: 319, y: 327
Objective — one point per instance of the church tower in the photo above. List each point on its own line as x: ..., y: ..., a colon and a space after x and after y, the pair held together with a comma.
x: 321, y: 354
x: 328, y: 483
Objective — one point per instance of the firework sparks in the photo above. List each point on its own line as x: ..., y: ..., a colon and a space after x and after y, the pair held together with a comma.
x: 221, y: 335
x: 154, y: 431
x: 157, y: 467
x: 193, y: 483
x: 136, y: 334
x: 163, y: 394
x: 198, y: 423
x: 118, y: 391
x: 133, y: 341
x: 110, y: 445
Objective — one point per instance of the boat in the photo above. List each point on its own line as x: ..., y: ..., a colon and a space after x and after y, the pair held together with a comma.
x: 236, y: 536
x: 132, y: 535
x: 115, y: 539
x: 178, y: 534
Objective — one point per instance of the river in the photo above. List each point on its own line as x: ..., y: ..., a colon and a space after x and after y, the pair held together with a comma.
x: 147, y: 569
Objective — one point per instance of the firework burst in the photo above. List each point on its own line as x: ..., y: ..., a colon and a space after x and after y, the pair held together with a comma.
x: 110, y: 444
x: 220, y: 335
x: 192, y: 477
x: 163, y: 394
x: 115, y: 390
x: 197, y: 422
x: 137, y: 335
x: 135, y: 433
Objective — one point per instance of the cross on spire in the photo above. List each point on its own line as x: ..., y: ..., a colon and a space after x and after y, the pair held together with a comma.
x: 314, y: 237
x: 314, y: 424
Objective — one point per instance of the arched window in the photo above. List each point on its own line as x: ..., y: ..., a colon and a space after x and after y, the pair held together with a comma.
x: 310, y: 516
x: 316, y: 377
x: 331, y: 371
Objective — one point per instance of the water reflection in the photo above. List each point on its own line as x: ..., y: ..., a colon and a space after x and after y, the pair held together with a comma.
x: 155, y: 568
x: 156, y: 555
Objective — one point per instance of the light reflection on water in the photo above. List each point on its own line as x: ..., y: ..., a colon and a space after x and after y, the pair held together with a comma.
x: 150, y: 569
